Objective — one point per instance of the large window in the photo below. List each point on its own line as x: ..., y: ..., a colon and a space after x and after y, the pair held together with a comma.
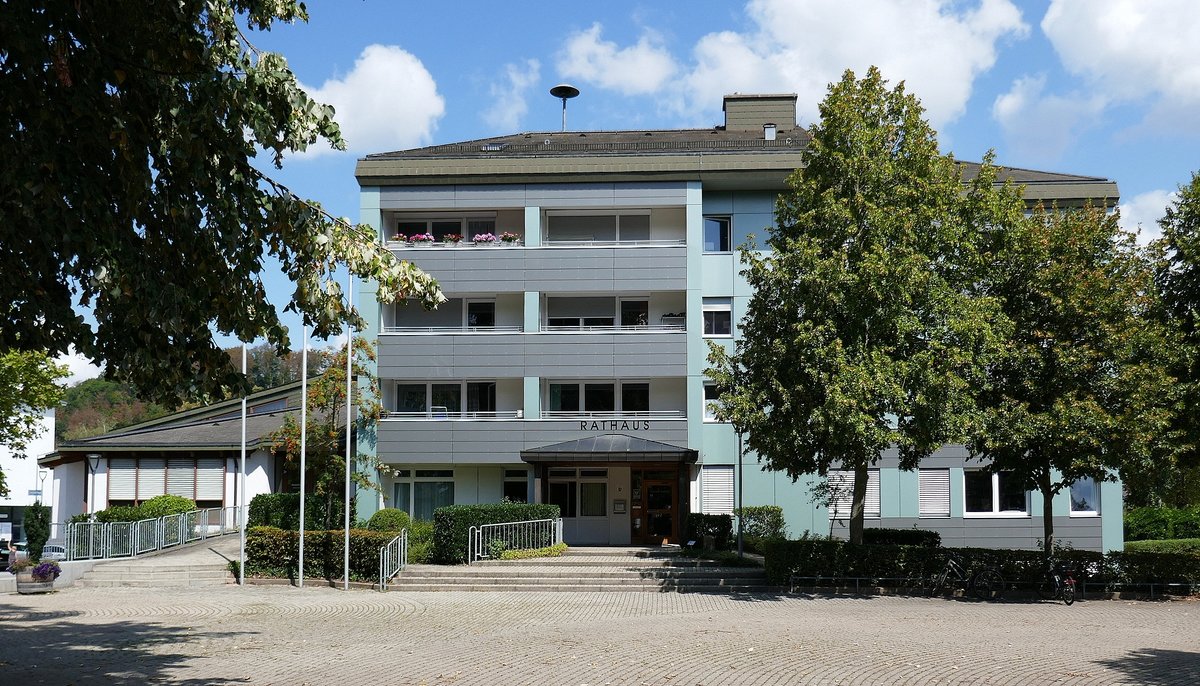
x: 441, y: 400
x: 466, y: 226
x: 635, y: 397
x: 635, y: 312
x: 841, y: 494
x: 999, y: 494
x: 598, y: 396
x: 133, y: 480
x: 718, y: 235
x: 718, y: 317
x: 481, y: 314
x: 423, y: 492
x: 598, y: 227
x: 1085, y: 498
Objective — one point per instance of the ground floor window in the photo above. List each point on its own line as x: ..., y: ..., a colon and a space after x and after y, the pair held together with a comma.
x: 420, y: 492
x: 716, y: 489
x: 134, y: 480
x: 841, y: 495
x: 1085, y: 498
x: 997, y: 494
x: 934, y: 492
x: 516, y: 485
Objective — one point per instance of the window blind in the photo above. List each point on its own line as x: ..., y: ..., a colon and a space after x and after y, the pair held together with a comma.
x: 934, y: 487
x: 840, y: 504
x: 716, y: 489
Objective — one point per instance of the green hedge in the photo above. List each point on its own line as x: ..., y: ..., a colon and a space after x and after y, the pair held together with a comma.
x: 388, y: 519
x: 1162, y: 523
x: 420, y: 542
x: 158, y: 506
x: 451, y: 524
x: 282, y: 510
x: 762, y: 521
x: 834, y: 558
x: 719, y: 526
x: 923, y: 537
x: 273, y: 552
x: 1179, y: 545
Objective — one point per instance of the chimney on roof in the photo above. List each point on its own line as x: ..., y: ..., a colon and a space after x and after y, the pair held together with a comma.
x: 756, y: 112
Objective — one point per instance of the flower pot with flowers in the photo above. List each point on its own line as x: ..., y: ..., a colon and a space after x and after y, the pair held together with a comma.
x: 34, y: 577
x: 509, y: 238
x: 484, y: 240
x: 399, y: 238
x: 421, y: 240
x: 452, y: 240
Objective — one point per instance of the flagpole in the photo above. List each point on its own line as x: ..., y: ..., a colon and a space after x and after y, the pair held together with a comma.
x: 303, y: 445
x: 242, y: 484
x: 349, y: 426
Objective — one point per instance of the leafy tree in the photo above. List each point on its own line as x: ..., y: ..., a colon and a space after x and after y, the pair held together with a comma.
x: 130, y: 134
x: 267, y: 368
x: 28, y: 387
x: 1178, y: 279
x: 326, y: 439
x: 861, y: 313
x: 97, y: 406
x: 1080, y: 387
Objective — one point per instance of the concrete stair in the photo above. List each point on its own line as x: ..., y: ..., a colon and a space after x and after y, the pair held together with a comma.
x: 652, y: 570
x: 200, y: 564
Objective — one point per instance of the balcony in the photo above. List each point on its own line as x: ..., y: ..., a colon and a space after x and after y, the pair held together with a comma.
x: 499, y: 440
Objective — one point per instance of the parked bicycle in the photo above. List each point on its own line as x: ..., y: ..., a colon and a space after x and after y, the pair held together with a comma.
x: 1058, y: 584
x: 985, y: 584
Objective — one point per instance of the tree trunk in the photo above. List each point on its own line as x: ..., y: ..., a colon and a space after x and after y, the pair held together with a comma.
x: 1047, y: 518
x: 858, y: 504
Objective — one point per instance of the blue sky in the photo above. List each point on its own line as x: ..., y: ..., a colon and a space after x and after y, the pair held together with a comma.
x: 1098, y: 87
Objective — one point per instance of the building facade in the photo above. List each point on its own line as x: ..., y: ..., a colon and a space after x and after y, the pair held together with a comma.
x: 568, y: 365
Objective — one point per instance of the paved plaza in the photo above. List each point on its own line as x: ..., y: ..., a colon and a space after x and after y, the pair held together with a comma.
x: 284, y: 635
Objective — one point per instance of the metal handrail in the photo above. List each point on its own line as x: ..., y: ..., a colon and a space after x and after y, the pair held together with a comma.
x: 453, y: 329
x: 616, y: 414
x: 393, y: 558
x: 105, y: 540
x: 505, y: 414
x: 613, y: 328
x: 527, y: 535
x: 550, y: 243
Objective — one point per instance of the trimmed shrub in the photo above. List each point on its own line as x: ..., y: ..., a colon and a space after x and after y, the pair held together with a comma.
x: 273, y: 552
x: 762, y: 521
x: 282, y: 510
x: 1179, y: 545
x: 452, y: 523
x: 37, y: 529
x: 388, y: 519
x: 164, y: 505
x: 875, y: 536
x: 555, y: 550
x: 119, y: 513
x: 420, y: 542
x: 1162, y: 523
x: 719, y: 526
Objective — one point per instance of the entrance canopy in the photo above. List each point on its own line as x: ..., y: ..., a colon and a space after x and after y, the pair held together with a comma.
x: 609, y: 448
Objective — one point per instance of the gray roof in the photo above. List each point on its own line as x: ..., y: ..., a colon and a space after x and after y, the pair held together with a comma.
x: 610, y: 448
x: 206, y: 434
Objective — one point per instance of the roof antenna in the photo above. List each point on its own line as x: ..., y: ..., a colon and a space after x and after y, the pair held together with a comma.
x: 564, y: 91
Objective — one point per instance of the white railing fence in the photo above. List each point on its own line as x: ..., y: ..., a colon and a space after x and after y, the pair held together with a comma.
x: 103, y: 540
x: 393, y: 558
x: 489, y: 540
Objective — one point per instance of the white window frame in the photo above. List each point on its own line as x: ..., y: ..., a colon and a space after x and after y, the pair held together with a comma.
x: 930, y: 483
x: 872, y: 507
x: 409, y: 477
x: 462, y: 384
x: 717, y: 305
x: 617, y: 384
x: 995, y: 513
x: 728, y: 228
x: 1095, y: 511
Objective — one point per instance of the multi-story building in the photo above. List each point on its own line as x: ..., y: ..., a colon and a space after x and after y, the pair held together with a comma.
x: 568, y: 366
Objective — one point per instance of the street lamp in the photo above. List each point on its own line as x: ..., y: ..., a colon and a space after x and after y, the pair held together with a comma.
x: 93, y: 463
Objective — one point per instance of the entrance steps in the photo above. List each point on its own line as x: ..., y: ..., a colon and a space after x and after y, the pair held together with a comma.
x: 653, y: 570
x: 200, y: 564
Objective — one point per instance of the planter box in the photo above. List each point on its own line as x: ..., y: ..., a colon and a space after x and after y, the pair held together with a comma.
x: 26, y: 585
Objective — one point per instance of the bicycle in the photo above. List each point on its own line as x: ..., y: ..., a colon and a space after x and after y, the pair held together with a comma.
x: 984, y: 584
x: 1058, y: 583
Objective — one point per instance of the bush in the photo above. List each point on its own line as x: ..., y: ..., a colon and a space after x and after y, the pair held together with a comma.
x: 274, y: 552
x: 555, y: 550
x: 452, y: 523
x: 420, y: 542
x: 762, y: 521
x: 720, y: 527
x: 37, y: 529
x: 1162, y: 523
x: 875, y: 536
x: 282, y: 510
x: 164, y: 505
x: 388, y: 519
x: 120, y: 513
x: 1179, y: 545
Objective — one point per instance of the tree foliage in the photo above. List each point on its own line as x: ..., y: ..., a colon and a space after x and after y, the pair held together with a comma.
x: 130, y: 135
x: 97, y: 406
x: 861, y: 333
x: 326, y: 439
x: 267, y: 368
x: 1080, y: 386
x: 29, y: 385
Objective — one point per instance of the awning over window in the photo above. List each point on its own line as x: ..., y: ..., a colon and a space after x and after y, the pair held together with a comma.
x: 609, y: 448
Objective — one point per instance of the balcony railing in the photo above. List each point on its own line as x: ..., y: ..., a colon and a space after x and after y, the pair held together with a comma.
x: 610, y: 414
x: 444, y: 414
x: 452, y: 329
x: 628, y: 328
x: 658, y: 242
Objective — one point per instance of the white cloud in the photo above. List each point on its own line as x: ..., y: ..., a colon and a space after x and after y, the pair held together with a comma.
x: 389, y: 101
x: 1132, y: 50
x: 1141, y: 213
x: 509, y: 107
x: 638, y: 69
x: 937, y: 47
x: 79, y: 367
x: 1041, y: 126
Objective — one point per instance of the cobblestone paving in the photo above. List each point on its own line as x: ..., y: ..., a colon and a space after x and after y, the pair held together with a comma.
x: 283, y: 635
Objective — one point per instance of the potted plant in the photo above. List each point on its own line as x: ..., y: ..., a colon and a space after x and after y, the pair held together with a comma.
x: 510, y: 238
x: 452, y: 240
x: 400, y: 238
x: 421, y: 239
x: 484, y: 239
x: 34, y: 577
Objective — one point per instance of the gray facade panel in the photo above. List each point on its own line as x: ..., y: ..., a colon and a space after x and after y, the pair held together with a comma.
x: 500, y: 442
x: 1021, y: 533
